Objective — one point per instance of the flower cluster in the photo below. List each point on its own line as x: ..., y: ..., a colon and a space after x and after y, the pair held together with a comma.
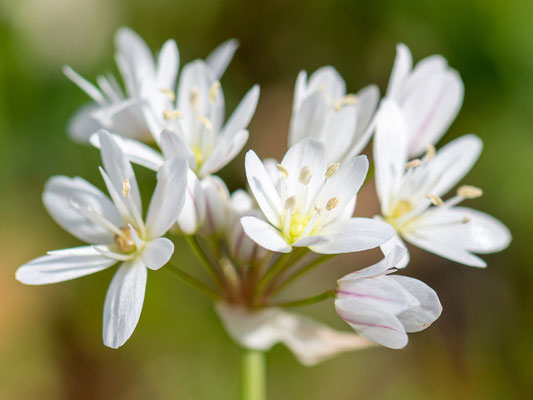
x: 298, y: 213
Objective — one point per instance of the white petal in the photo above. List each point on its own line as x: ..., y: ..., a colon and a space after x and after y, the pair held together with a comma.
x: 328, y: 80
x: 452, y: 162
x: 192, y: 216
x: 168, y: 198
x: 157, y: 253
x: 125, y: 119
x: 355, y: 234
x: 83, y: 124
x: 300, y: 92
x: 339, y: 132
x: 310, y: 119
x: 240, y: 118
x: 485, y: 233
x: 310, y: 241
x: 419, y: 317
x: 262, y: 188
x: 224, y: 152
x: 386, y: 265
x: 400, y: 71
x: 119, y: 169
x: 390, y: 151
x: 265, y: 235
x: 63, y: 265
x: 84, y: 85
x: 135, y: 151
x: 372, y: 323
x: 219, y: 59
x: 123, y: 303
x: 61, y: 191
x: 391, y: 245
x: 167, y: 65
x: 173, y: 145
x: 217, y: 211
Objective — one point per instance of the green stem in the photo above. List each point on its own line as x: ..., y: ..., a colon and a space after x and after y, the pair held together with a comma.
x: 272, y: 271
x: 313, y: 264
x: 191, y: 281
x: 202, y: 257
x: 253, y: 375
x: 308, y: 301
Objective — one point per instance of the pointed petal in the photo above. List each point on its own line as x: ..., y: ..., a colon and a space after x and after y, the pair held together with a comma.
x: 219, y: 59
x: 388, y: 264
x: 168, y: 198
x: 84, y: 85
x: 400, y: 71
x: 123, y: 303
x: 173, y: 145
x: 224, y: 152
x: 240, y: 118
x: 167, y: 65
x: 391, y: 245
x: 157, y: 253
x: 265, y: 235
x: 310, y: 119
x: 63, y: 265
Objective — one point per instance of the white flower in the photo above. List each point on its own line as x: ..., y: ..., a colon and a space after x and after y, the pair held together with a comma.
x: 410, y: 194
x: 115, y: 231
x: 322, y: 109
x: 430, y: 95
x: 121, y: 111
x: 310, y: 204
x: 311, y: 342
x: 383, y: 308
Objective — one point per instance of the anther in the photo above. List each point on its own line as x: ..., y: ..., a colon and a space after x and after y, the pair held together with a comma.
x: 194, y: 98
x: 347, y: 100
x: 305, y: 175
x: 435, y: 200
x: 290, y: 203
x: 283, y: 171
x: 466, y: 219
x: 124, y: 241
x: 413, y: 163
x: 206, y: 122
x: 469, y: 192
x: 332, y: 169
x: 213, y: 91
x: 169, y: 93
x: 430, y: 152
x: 332, y: 203
x: 170, y: 115
x: 318, y: 209
x: 126, y: 188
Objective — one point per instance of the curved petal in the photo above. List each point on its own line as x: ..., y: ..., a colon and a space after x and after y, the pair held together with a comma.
x: 265, y: 235
x: 91, y: 90
x: 217, y: 212
x: 167, y: 65
x: 168, y: 198
x: 240, y: 118
x: 400, y: 71
x: 157, y: 253
x: 63, y: 265
x: 83, y: 123
x: 173, y: 145
x: 310, y: 118
x: 388, y: 264
x: 123, y: 303
x: 219, y: 59
x: 328, y: 80
x: 192, y: 215
x: 355, y: 234
x: 58, y: 197
x: 225, y: 151
x: 391, y: 245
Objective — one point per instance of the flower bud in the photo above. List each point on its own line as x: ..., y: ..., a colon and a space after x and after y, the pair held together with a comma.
x: 192, y: 216
x: 216, y: 197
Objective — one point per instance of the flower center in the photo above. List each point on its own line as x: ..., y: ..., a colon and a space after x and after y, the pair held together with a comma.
x: 402, y: 208
x: 124, y: 241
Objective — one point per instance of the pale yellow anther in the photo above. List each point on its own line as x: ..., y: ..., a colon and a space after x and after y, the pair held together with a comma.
x: 169, y: 93
x: 124, y: 241
x: 466, y: 219
x: 206, y: 122
x: 169, y: 115
x: 194, y: 98
x: 435, y: 200
x: 413, y: 163
x: 318, y: 209
x: 332, y: 169
x: 469, y: 192
x: 332, y: 203
x: 126, y: 188
x: 306, y: 173
x: 430, y: 152
x: 347, y: 100
x: 213, y: 91
x: 283, y: 171
x: 290, y: 203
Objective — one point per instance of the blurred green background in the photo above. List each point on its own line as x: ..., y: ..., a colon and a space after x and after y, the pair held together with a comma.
x: 50, y: 336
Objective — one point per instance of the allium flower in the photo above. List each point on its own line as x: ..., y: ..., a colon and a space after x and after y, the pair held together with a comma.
x: 322, y: 109
x: 310, y: 341
x: 120, y: 111
x: 383, y: 308
x: 430, y: 95
x: 115, y: 231
x: 410, y: 194
x: 310, y: 204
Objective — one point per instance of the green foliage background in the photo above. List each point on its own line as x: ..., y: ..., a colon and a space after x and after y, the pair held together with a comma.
x: 50, y: 337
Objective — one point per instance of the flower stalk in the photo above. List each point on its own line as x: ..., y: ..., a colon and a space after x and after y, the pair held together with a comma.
x: 253, y: 375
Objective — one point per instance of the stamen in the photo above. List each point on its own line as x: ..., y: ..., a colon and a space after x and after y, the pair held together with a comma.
x: 332, y: 169
x: 213, y: 91
x: 169, y: 93
x: 125, y: 241
x: 413, y: 163
x: 290, y: 203
x: 305, y: 175
x: 318, y: 209
x: 170, y: 115
x: 430, y: 152
x: 469, y: 192
x: 194, y: 98
x: 466, y: 219
x: 435, y: 200
x: 93, y: 216
x: 206, y: 122
x: 283, y: 171
x: 126, y: 188
x: 349, y: 99
x: 332, y: 203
